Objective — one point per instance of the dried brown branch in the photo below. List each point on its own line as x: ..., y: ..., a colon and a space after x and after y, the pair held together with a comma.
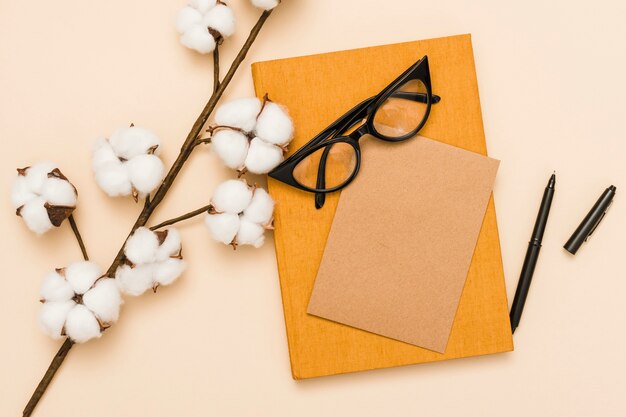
x: 74, y: 227
x: 185, y: 216
x: 216, y: 68
x: 185, y: 151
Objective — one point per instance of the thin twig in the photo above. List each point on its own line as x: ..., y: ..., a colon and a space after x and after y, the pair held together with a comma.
x: 45, y: 381
x: 216, y: 68
x: 182, y: 217
x: 148, y: 209
x: 78, y: 237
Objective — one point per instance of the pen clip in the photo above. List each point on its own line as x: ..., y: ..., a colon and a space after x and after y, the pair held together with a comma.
x: 598, y: 222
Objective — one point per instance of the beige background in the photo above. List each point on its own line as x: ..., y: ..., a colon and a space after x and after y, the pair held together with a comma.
x: 551, y: 76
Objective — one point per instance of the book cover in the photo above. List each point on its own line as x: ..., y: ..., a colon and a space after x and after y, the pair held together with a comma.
x: 319, y: 88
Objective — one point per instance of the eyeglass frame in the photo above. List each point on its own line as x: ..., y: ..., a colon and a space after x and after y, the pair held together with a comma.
x: 361, y: 113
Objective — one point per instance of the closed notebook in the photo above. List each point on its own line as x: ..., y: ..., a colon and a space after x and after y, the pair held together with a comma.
x: 402, y: 240
x: 319, y: 88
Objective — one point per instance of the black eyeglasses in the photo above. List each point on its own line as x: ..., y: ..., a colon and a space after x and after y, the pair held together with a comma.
x: 331, y: 160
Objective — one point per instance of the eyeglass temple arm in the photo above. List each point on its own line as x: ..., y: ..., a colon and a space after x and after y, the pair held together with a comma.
x: 419, y: 97
x: 320, y: 198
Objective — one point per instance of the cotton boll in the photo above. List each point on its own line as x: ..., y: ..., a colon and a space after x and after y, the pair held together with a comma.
x: 222, y: 227
x: 261, y: 208
x: 128, y: 142
x: 250, y: 233
x: 168, y: 271
x: 186, y: 18
x: 263, y: 157
x: 37, y: 174
x: 81, y: 275
x: 145, y: 172
x: 199, y: 39
x: 55, y: 288
x: 240, y: 113
x: 59, y: 192
x: 231, y: 196
x: 231, y: 146
x: 171, y: 246
x: 21, y: 193
x: 104, y: 300
x: 35, y: 215
x: 274, y: 125
x: 142, y: 246
x: 113, y: 179
x: 52, y: 317
x: 220, y: 18
x: 202, y: 6
x: 134, y: 281
x: 265, y: 4
x: 103, y: 154
x: 81, y: 324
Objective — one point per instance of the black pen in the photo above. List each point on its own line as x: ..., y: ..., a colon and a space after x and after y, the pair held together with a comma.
x: 532, y: 254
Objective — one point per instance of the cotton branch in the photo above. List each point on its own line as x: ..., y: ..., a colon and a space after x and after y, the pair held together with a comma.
x: 185, y: 152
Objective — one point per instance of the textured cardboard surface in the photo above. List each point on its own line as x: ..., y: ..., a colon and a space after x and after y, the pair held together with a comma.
x: 402, y: 240
x: 319, y: 88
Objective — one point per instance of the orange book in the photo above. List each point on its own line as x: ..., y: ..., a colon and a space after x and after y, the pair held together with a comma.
x: 317, y: 89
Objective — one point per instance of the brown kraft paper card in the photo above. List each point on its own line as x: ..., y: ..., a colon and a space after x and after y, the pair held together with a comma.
x: 402, y: 240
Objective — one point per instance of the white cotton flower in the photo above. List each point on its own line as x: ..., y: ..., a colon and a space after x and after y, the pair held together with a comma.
x: 261, y: 208
x: 265, y: 4
x: 223, y: 227
x: 168, y: 271
x: 56, y: 288
x: 142, y: 246
x: 35, y: 215
x: 104, y: 300
x: 231, y: 196
x: 263, y: 157
x: 21, y: 192
x: 52, y: 317
x: 114, y: 180
x: 81, y: 324
x: 249, y: 212
x: 134, y: 280
x: 231, y: 147
x: 274, y: 125
x: 153, y: 259
x: 187, y: 17
x: 78, y: 302
x: 268, y: 125
x: 127, y: 163
x: 82, y: 275
x: 145, y: 173
x: 59, y: 192
x: 129, y: 142
x: 171, y: 245
x: 240, y: 113
x: 103, y: 154
x: 42, y: 196
x: 204, y: 23
x: 221, y: 19
x: 37, y: 174
x: 199, y: 39
x: 250, y: 233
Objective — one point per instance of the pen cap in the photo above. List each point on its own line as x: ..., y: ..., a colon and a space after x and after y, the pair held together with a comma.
x: 591, y: 221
